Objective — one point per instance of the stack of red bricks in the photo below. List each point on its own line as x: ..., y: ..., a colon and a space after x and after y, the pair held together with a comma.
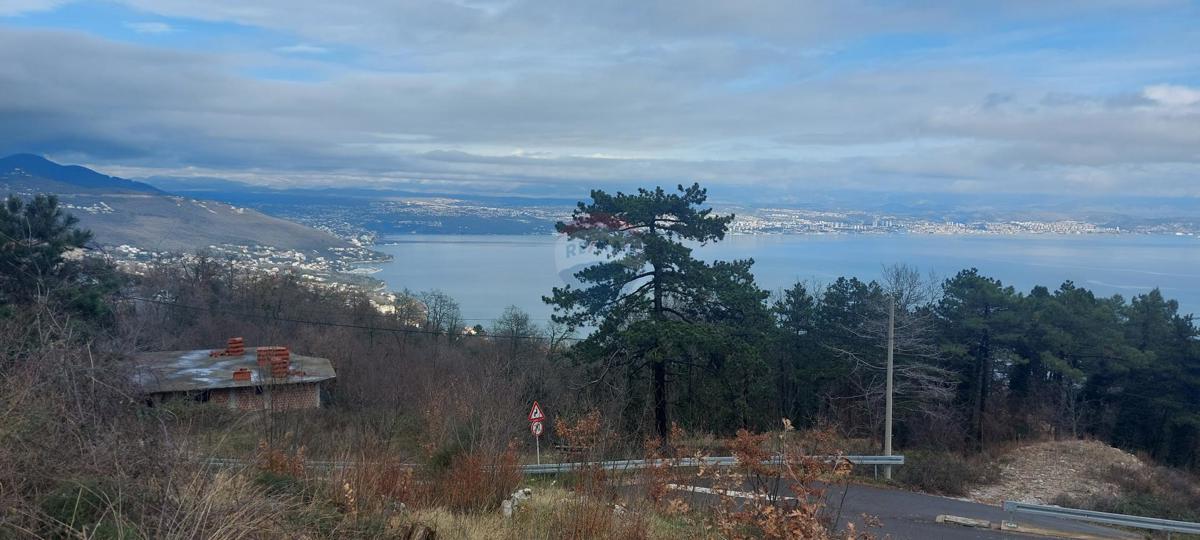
x: 236, y: 346
x: 279, y: 359
x: 241, y: 374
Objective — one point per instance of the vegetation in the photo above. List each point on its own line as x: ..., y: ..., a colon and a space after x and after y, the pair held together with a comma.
x: 978, y: 363
x: 35, y: 238
x: 686, y: 357
x: 944, y: 473
x: 654, y: 305
x: 1149, y: 491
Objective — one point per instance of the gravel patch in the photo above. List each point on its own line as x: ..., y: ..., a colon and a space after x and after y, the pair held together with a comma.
x: 1039, y: 473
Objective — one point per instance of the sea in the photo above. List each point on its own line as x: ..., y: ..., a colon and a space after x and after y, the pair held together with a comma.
x: 487, y: 273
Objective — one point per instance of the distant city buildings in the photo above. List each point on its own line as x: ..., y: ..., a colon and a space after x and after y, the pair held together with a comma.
x: 340, y: 269
x: 363, y: 225
x: 790, y: 221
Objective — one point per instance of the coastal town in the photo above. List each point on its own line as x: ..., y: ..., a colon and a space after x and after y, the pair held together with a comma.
x: 339, y: 268
x: 375, y: 221
x: 789, y: 221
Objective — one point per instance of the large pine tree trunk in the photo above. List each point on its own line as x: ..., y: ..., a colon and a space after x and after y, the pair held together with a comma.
x: 984, y: 382
x: 661, y: 426
x: 659, y: 367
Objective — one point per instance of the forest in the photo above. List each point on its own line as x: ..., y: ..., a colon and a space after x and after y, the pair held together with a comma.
x: 976, y: 362
x: 673, y: 345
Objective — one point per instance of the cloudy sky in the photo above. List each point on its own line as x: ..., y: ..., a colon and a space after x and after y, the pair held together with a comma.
x: 1089, y: 96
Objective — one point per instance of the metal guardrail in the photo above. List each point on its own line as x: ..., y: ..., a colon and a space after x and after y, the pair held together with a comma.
x: 1137, y: 522
x: 634, y: 464
x: 616, y: 465
x: 308, y: 463
x: 876, y: 460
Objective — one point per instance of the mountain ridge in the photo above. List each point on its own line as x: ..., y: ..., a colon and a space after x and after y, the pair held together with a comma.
x: 127, y: 212
x: 33, y: 166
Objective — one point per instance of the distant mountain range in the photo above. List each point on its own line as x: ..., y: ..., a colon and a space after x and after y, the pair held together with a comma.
x: 120, y: 211
x: 935, y: 206
x: 388, y: 212
x: 164, y: 213
x: 31, y: 172
x: 251, y: 194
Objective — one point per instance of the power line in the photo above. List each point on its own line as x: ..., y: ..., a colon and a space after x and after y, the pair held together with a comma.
x: 177, y: 305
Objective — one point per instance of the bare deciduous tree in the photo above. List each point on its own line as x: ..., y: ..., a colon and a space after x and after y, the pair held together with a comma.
x: 921, y: 387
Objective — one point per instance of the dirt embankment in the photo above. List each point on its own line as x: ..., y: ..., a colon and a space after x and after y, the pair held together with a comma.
x: 1039, y: 473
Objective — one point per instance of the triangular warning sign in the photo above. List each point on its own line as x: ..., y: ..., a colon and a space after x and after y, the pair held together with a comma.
x: 535, y: 414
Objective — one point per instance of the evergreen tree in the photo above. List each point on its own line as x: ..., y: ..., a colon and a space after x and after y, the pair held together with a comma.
x: 980, y: 321
x: 652, y: 304
x: 1071, y: 341
x: 35, y: 237
x: 1158, y: 398
x: 801, y: 369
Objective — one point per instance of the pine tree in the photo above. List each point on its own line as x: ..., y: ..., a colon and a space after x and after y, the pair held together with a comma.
x: 34, y: 237
x: 652, y: 304
x: 981, y: 320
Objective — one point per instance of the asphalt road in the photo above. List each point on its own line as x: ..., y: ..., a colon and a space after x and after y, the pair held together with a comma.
x: 905, y: 515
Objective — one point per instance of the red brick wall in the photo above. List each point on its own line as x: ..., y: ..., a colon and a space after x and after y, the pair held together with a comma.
x: 281, y: 397
x: 296, y: 396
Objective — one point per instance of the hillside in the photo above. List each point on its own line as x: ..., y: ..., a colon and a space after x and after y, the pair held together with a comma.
x: 1092, y: 475
x: 121, y: 211
x: 1043, y: 472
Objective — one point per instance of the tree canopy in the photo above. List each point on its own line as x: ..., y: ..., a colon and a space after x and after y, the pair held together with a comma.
x: 36, y: 237
x: 652, y: 303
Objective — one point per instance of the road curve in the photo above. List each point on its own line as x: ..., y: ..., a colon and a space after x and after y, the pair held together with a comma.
x: 905, y: 515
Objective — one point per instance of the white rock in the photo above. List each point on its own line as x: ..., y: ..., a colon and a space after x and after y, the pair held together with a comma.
x: 521, y: 494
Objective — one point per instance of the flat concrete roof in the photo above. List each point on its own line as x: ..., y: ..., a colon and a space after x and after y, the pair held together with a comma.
x: 182, y: 371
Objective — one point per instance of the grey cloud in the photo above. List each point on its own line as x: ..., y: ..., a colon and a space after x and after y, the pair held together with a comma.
x: 570, y: 94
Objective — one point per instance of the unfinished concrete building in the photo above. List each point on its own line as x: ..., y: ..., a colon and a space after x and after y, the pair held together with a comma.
x: 247, y: 379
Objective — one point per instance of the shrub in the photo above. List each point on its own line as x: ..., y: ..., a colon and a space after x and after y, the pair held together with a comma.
x: 946, y: 473
x: 1160, y: 492
x: 279, y: 484
x: 800, y: 509
x: 477, y: 481
x: 442, y: 457
x: 85, y: 507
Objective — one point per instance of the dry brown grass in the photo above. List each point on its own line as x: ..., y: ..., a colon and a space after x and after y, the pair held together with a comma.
x: 223, y: 505
x: 559, y: 513
x: 1146, y: 490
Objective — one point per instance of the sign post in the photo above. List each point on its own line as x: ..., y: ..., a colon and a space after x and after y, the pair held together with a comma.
x: 536, y: 428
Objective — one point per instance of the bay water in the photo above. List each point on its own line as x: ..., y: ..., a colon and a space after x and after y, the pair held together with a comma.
x: 486, y: 273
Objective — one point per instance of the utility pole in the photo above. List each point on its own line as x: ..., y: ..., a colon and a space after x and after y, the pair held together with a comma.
x: 887, y: 430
